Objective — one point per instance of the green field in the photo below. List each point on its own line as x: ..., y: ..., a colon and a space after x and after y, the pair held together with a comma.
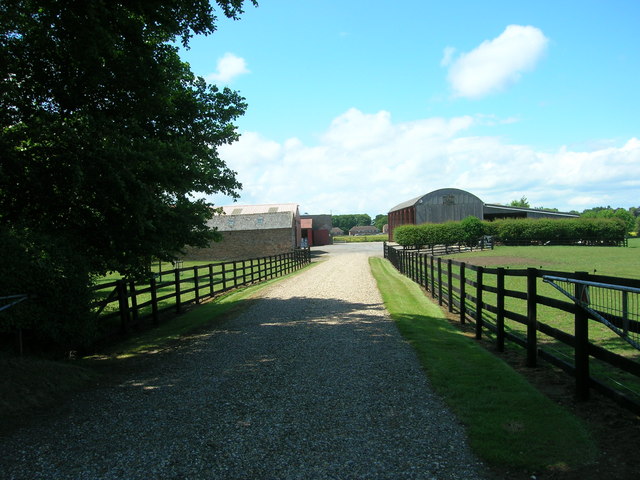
x: 609, y: 261
x: 383, y: 237
x: 238, y: 274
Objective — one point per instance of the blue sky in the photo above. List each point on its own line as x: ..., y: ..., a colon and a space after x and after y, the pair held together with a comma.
x: 356, y: 106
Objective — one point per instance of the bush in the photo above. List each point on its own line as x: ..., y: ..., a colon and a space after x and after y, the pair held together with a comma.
x: 56, y: 316
x: 560, y: 231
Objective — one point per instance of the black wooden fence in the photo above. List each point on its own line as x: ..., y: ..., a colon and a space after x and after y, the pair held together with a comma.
x: 124, y: 304
x: 509, y: 304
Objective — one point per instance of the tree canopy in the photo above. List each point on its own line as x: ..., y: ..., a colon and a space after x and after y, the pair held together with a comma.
x: 523, y: 202
x: 106, y: 133
x: 347, y: 222
x: 108, y: 140
x: 380, y: 221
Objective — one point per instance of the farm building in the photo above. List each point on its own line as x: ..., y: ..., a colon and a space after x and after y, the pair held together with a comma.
x: 452, y: 204
x: 364, y: 230
x: 251, y: 231
x: 316, y: 229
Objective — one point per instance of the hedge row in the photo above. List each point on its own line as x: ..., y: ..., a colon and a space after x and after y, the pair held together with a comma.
x: 467, y: 232
x: 608, y: 231
x: 560, y: 231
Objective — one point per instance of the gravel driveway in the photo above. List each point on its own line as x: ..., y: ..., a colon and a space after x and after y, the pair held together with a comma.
x: 313, y: 381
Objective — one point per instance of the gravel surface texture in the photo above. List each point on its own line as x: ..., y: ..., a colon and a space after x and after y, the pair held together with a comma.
x: 313, y: 381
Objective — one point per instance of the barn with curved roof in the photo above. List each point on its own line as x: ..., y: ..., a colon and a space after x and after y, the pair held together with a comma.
x: 453, y: 204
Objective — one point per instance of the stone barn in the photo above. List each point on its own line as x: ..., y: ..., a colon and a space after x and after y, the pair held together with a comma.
x: 251, y: 231
x: 452, y: 204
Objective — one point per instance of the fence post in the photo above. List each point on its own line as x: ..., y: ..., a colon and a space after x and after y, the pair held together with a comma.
x: 223, y: 267
x: 500, y: 312
x: 176, y: 281
x: 425, y: 266
x: 450, y: 284
x: 440, y: 281
x: 463, y: 293
x: 433, y: 277
x: 123, y: 304
x: 581, y: 353
x: 211, y: 289
x: 154, y: 299
x: 479, y: 287
x: 196, y: 284
x: 532, y: 317
x: 134, y: 301
x: 235, y: 274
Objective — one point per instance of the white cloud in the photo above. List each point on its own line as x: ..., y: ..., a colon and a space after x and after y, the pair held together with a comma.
x: 495, y: 64
x: 229, y: 67
x: 447, y: 56
x: 367, y: 163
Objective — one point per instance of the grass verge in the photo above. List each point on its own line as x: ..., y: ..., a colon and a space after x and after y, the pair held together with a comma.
x: 510, y: 424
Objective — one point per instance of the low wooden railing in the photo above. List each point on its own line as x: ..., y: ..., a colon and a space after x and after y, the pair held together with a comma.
x: 123, y: 304
x: 515, y: 305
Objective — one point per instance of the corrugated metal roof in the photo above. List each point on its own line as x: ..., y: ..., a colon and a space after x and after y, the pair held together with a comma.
x: 494, y: 208
x: 408, y: 203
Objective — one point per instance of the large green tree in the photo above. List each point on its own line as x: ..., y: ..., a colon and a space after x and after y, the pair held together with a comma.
x: 380, y: 221
x: 523, y: 202
x: 105, y: 133
x: 346, y: 222
x: 108, y: 146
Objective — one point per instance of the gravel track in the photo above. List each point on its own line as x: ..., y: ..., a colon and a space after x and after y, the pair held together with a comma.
x: 313, y: 381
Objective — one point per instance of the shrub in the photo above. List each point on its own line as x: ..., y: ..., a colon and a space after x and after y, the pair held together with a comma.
x: 56, y: 316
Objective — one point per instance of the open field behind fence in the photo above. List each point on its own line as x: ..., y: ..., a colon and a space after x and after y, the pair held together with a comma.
x: 122, y: 304
x: 518, y: 306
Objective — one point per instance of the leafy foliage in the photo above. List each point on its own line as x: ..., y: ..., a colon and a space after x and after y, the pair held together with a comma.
x: 347, y: 222
x: 467, y: 231
x: 523, y: 202
x: 108, y: 141
x: 55, y: 317
x: 607, y: 231
x: 106, y: 132
x: 380, y: 221
x: 543, y: 230
x: 627, y: 216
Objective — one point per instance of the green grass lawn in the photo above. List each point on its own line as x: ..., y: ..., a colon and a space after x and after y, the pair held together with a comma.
x: 383, y: 237
x: 509, y: 422
x: 245, y: 273
x: 610, y: 261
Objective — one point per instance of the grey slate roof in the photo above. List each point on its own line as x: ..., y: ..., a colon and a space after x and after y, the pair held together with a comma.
x: 254, y: 221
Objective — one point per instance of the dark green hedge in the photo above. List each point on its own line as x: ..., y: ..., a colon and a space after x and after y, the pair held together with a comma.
x: 467, y: 232
x: 586, y: 231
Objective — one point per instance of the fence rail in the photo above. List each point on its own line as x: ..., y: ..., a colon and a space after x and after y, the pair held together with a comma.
x: 511, y: 304
x: 123, y: 304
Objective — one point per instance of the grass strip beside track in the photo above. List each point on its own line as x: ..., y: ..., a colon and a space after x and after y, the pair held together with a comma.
x: 510, y: 424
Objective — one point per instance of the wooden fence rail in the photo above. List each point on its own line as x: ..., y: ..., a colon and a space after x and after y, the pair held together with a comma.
x: 510, y: 304
x: 124, y: 304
